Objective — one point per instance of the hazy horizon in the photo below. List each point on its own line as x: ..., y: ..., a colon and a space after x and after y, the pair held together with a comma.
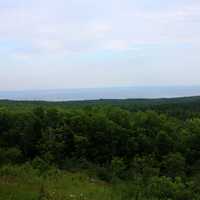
x: 136, y: 92
x: 101, y: 87
x: 82, y: 44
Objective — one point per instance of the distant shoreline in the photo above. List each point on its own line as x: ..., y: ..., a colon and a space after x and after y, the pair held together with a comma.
x: 118, y: 93
x: 109, y: 101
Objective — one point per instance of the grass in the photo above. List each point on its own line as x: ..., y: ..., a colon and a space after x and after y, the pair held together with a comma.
x: 28, y: 185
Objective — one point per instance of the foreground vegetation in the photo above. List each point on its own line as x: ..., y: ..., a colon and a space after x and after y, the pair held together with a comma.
x: 132, y: 149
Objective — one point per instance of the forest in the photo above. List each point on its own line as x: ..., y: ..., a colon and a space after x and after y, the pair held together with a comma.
x: 143, y: 149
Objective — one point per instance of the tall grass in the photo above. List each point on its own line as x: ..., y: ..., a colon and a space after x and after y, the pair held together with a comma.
x: 27, y: 183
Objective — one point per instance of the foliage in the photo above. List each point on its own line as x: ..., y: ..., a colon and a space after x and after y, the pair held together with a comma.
x: 149, y: 149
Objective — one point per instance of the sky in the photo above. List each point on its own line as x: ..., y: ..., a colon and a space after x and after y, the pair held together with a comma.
x: 48, y: 44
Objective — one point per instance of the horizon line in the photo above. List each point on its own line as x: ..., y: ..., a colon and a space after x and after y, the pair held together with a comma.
x: 98, y: 87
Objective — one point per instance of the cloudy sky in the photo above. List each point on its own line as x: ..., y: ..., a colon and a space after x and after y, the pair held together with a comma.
x: 90, y: 43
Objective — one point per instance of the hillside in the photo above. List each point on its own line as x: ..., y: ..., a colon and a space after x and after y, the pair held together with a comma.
x: 104, y: 149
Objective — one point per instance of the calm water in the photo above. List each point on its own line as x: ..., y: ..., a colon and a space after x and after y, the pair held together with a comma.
x: 103, y: 93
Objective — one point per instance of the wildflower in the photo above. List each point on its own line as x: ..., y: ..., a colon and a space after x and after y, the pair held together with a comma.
x: 72, y: 196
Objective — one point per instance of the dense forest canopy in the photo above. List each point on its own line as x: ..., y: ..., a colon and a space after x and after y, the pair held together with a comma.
x: 156, y: 141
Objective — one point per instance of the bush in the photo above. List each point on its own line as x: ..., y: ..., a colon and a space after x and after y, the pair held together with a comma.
x: 144, y: 166
x: 22, y: 171
x: 118, y: 167
x: 103, y: 173
x: 41, y: 165
x: 167, y: 188
x: 11, y: 155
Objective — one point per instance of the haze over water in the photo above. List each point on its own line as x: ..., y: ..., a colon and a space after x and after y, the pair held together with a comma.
x: 103, y: 93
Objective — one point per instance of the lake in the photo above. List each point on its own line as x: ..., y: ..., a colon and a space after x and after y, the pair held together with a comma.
x: 103, y: 93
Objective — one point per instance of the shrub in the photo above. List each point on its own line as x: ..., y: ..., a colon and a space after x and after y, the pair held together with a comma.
x: 103, y: 173
x: 41, y: 165
x: 11, y: 155
x: 118, y: 167
x: 167, y: 188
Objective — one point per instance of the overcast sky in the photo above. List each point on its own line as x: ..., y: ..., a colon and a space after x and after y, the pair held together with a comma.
x: 98, y: 43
